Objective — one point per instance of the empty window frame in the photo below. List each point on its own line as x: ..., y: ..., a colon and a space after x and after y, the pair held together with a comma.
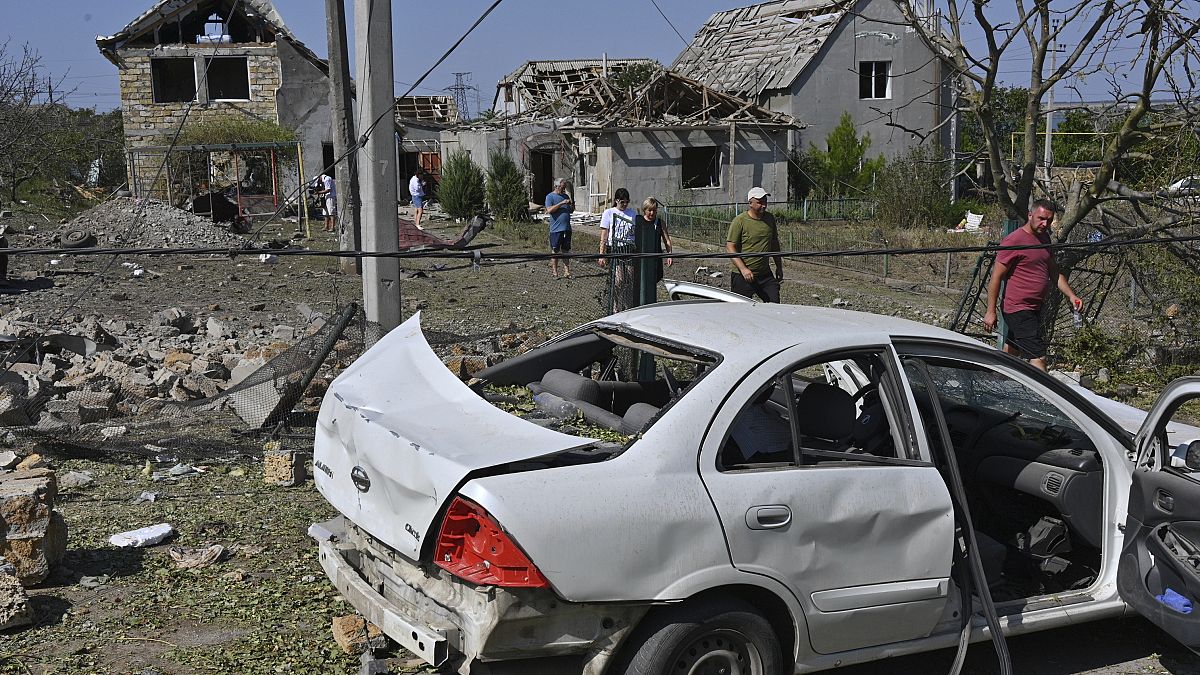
x: 174, y: 79
x: 874, y: 79
x: 702, y: 167
x: 228, y: 78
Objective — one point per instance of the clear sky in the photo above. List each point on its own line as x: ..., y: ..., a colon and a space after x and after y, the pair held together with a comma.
x: 64, y: 33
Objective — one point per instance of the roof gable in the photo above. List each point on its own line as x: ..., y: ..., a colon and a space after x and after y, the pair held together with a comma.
x: 748, y: 50
x: 253, y: 13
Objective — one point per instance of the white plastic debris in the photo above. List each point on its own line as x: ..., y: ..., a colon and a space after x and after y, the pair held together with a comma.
x: 145, y: 497
x: 113, y: 432
x: 55, y: 261
x: 143, y: 536
x: 716, y: 275
x: 139, y: 272
x: 268, y: 258
x: 129, y: 264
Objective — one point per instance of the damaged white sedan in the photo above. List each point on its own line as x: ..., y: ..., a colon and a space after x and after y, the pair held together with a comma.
x: 702, y: 487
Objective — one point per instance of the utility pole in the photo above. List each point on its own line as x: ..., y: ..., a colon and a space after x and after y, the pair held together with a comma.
x: 1048, y: 159
x: 350, y: 230
x: 377, y: 171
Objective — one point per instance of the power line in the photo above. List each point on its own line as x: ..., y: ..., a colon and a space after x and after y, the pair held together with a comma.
x: 459, y: 90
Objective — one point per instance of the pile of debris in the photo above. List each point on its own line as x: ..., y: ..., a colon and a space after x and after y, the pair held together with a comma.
x: 33, y: 536
x: 105, y: 369
x: 145, y: 223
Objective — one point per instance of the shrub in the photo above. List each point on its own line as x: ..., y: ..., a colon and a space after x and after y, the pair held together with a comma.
x: 912, y: 191
x: 229, y: 129
x: 461, y: 190
x: 506, y: 188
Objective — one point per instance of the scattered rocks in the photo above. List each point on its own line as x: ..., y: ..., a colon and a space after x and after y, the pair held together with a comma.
x: 73, y: 480
x: 353, y: 633
x: 35, y: 536
x: 8, y: 460
x: 282, y: 467
x: 14, y: 603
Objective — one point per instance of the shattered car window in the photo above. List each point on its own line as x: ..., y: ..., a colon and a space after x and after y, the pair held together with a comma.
x: 603, y: 383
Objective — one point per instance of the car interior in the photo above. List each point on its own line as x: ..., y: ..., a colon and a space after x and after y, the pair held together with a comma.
x: 1033, y: 480
x: 617, y: 381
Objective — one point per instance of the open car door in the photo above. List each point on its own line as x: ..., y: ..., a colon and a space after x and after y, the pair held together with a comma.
x: 1159, y: 570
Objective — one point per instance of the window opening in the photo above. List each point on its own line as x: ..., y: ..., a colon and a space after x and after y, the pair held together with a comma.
x: 702, y: 167
x: 874, y: 79
x: 173, y: 80
x: 228, y: 78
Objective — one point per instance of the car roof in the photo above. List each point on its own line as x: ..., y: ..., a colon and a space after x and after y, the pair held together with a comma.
x: 728, y: 327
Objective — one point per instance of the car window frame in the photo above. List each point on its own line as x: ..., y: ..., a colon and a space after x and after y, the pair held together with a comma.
x: 900, y: 417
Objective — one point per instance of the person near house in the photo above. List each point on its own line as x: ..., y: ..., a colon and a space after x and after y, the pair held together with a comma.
x: 1028, y: 273
x: 559, y: 206
x: 754, y: 231
x: 328, y: 194
x: 416, y: 188
x: 616, y: 236
x: 650, y: 228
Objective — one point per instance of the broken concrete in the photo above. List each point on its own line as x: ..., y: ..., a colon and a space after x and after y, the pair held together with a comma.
x: 354, y: 633
x: 14, y: 603
x: 33, y: 537
x: 284, y: 468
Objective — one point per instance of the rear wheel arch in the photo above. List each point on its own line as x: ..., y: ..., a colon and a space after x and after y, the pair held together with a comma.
x: 771, y: 606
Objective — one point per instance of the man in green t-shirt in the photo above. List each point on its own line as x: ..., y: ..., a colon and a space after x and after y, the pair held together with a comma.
x: 754, y: 232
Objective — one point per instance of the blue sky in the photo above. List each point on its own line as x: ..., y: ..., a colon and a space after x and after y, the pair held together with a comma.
x: 64, y: 33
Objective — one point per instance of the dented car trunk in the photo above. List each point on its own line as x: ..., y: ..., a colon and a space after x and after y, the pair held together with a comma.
x: 393, y: 443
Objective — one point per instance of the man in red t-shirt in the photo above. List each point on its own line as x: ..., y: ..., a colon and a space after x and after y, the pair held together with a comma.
x: 1028, y: 273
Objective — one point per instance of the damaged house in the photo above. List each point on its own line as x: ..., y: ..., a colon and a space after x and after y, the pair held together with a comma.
x: 815, y: 59
x: 420, y: 121
x: 668, y: 136
x: 213, y: 59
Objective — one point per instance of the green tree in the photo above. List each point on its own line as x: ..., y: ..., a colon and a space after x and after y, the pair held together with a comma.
x: 911, y: 191
x: 843, y: 168
x: 635, y: 75
x: 506, y: 188
x: 461, y: 191
x: 1006, y: 110
x: 229, y: 129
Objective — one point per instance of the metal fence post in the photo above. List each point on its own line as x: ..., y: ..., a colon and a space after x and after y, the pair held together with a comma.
x: 949, y: 257
x: 804, y: 210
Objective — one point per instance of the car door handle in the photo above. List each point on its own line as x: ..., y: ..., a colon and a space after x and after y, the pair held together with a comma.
x: 768, y: 517
x: 1164, y: 501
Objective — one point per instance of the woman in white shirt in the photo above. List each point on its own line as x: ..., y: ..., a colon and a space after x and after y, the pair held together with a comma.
x: 616, y: 236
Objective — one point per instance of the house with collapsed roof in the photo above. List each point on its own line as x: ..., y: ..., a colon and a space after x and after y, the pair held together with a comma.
x: 420, y: 121
x: 209, y: 59
x: 668, y: 137
x: 814, y: 59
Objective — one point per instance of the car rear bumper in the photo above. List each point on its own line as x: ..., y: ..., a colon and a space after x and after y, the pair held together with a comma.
x: 450, y: 622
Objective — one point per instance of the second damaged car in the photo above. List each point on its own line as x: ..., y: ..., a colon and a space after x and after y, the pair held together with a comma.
x: 703, y: 487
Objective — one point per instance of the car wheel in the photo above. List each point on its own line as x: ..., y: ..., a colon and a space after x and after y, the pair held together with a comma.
x: 78, y: 239
x: 726, y: 637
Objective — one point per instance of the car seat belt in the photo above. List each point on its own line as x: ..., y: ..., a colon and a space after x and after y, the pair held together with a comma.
x: 958, y: 497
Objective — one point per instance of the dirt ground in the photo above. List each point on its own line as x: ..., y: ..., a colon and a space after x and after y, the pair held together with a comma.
x: 268, y: 607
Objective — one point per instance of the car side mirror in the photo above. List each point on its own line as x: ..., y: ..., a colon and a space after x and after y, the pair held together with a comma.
x: 1190, y: 453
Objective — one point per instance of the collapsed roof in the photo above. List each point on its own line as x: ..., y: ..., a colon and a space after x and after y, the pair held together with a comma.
x: 175, y: 21
x: 428, y: 110
x: 537, y: 82
x: 749, y: 50
x: 666, y: 99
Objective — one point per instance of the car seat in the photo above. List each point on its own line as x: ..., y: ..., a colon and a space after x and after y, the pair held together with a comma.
x: 825, y: 413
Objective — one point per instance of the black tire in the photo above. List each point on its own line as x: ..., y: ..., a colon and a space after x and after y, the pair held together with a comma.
x: 78, y: 238
x: 702, y: 638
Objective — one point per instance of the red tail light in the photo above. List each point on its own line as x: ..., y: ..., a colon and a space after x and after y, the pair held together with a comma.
x: 472, y: 546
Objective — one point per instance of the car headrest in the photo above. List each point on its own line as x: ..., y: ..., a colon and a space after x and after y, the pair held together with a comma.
x: 636, y: 418
x: 571, y: 386
x: 824, y: 411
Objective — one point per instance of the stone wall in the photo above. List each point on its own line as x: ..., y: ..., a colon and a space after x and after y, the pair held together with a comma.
x: 148, y: 123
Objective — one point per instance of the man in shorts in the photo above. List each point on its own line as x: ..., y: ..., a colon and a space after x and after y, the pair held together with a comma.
x: 754, y: 231
x: 1028, y: 273
x: 328, y: 193
x: 416, y: 188
x: 560, y: 205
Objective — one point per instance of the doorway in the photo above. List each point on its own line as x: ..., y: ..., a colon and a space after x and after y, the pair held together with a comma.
x: 541, y: 166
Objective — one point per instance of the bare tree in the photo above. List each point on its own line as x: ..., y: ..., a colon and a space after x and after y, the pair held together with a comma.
x: 33, y: 119
x: 1144, y: 50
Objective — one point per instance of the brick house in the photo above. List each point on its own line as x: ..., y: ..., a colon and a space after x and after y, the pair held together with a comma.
x: 183, y: 54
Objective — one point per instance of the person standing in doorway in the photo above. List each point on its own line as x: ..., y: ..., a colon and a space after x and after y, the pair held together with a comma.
x: 328, y: 194
x: 754, y: 231
x: 416, y: 188
x: 1028, y: 273
x: 616, y: 236
x: 560, y: 205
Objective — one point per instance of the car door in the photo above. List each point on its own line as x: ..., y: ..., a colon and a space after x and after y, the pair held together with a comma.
x: 864, y: 541
x: 1159, y: 570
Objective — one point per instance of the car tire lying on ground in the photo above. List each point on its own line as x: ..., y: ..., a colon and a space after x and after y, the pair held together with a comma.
x: 725, y: 635
x: 78, y: 238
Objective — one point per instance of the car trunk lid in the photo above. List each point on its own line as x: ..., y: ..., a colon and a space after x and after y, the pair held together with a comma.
x: 398, y: 432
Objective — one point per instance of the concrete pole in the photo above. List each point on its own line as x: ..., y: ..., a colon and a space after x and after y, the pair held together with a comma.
x: 350, y: 228
x: 1048, y: 151
x: 377, y: 168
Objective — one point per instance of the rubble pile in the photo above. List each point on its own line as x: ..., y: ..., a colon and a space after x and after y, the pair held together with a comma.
x: 468, y: 358
x: 105, y: 369
x: 33, y: 536
x: 118, y: 222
